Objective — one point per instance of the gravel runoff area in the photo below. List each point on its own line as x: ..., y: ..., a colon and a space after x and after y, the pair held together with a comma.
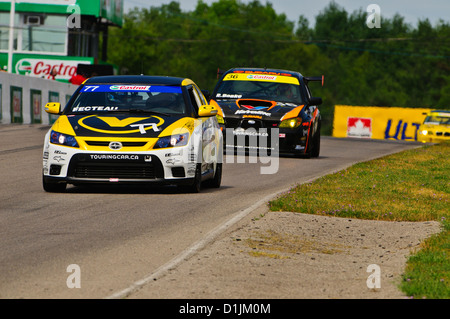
x: 284, y: 255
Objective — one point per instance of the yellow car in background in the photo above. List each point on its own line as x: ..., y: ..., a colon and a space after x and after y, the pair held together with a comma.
x: 435, y: 128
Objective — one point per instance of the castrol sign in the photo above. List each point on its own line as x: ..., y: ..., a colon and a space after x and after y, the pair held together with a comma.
x: 41, y: 68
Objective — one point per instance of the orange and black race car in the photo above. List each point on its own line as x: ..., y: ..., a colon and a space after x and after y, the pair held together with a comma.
x: 268, y: 111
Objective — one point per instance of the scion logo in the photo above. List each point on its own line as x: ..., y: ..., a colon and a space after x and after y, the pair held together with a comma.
x: 115, y: 146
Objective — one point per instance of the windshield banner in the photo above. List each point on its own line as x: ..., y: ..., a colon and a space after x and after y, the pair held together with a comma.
x: 260, y: 77
x: 131, y: 88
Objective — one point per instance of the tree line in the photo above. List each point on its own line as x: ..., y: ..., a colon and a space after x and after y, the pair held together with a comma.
x: 399, y: 64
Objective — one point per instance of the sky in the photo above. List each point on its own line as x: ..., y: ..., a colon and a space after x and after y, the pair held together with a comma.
x: 411, y: 10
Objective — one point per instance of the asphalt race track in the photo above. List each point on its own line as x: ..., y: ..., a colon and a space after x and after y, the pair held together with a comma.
x: 117, y: 235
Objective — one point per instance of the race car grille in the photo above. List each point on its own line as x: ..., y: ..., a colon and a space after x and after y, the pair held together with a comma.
x: 124, y: 144
x: 442, y: 133
x: 121, y: 167
x: 97, y: 171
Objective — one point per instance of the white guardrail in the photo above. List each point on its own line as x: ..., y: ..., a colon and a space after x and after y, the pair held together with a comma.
x: 22, y: 98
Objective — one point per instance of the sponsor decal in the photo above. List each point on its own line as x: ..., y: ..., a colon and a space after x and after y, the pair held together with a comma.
x: 261, y: 77
x: 94, y: 108
x: 131, y: 88
x: 286, y: 104
x: 252, y: 112
x: 249, y: 132
x: 173, y: 154
x: 252, y: 117
x: 147, y: 158
x: 228, y: 96
x: 119, y: 157
x: 359, y: 127
x: 58, y: 158
x: 42, y: 67
x: 250, y: 107
x: 262, y: 72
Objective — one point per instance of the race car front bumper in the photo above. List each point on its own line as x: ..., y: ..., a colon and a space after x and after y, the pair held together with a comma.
x: 73, y: 166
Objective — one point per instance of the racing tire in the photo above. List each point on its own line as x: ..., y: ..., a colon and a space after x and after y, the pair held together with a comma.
x: 196, y: 185
x: 316, y: 145
x: 217, y: 180
x: 53, y: 187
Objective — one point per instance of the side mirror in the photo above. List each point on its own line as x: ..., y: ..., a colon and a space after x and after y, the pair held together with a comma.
x: 207, y: 110
x: 53, y: 108
x: 315, y: 100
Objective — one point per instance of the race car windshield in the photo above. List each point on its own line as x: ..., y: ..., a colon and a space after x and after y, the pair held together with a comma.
x: 437, y: 120
x: 95, y: 99
x: 280, y: 92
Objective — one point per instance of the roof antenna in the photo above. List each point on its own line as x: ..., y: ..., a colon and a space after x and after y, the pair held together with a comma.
x: 142, y: 67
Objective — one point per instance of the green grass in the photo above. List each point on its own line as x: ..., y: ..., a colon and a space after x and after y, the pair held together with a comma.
x: 409, y: 186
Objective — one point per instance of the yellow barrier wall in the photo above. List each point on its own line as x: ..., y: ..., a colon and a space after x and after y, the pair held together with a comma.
x: 394, y: 123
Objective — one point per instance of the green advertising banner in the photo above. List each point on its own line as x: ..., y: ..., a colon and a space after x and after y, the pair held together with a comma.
x: 40, y: 66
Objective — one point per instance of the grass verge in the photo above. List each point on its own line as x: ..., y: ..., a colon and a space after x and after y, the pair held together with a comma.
x: 409, y: 186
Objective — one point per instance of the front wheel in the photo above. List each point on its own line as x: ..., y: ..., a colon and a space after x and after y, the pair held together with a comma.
x: 196, y: 185
x: 217, y: 180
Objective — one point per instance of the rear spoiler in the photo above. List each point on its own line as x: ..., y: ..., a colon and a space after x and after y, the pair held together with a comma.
x: 314, y: 79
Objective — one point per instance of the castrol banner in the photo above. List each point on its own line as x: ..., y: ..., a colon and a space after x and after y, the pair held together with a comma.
x: 390, y: 123
x: 41, y: 67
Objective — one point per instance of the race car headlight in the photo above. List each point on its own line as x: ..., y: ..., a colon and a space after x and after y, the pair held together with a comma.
x: 425, y: 132
x: 172, y: 141
x: 291, y: 123
x: 63, y: 139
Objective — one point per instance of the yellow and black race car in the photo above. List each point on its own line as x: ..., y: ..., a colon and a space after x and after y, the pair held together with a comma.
x: 134, y: 129
x: 435, y: 128
x: 268, y: 111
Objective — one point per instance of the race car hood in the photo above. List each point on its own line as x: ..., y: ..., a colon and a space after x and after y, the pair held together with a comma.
x: 264, y: 109
x: 119, y: 125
